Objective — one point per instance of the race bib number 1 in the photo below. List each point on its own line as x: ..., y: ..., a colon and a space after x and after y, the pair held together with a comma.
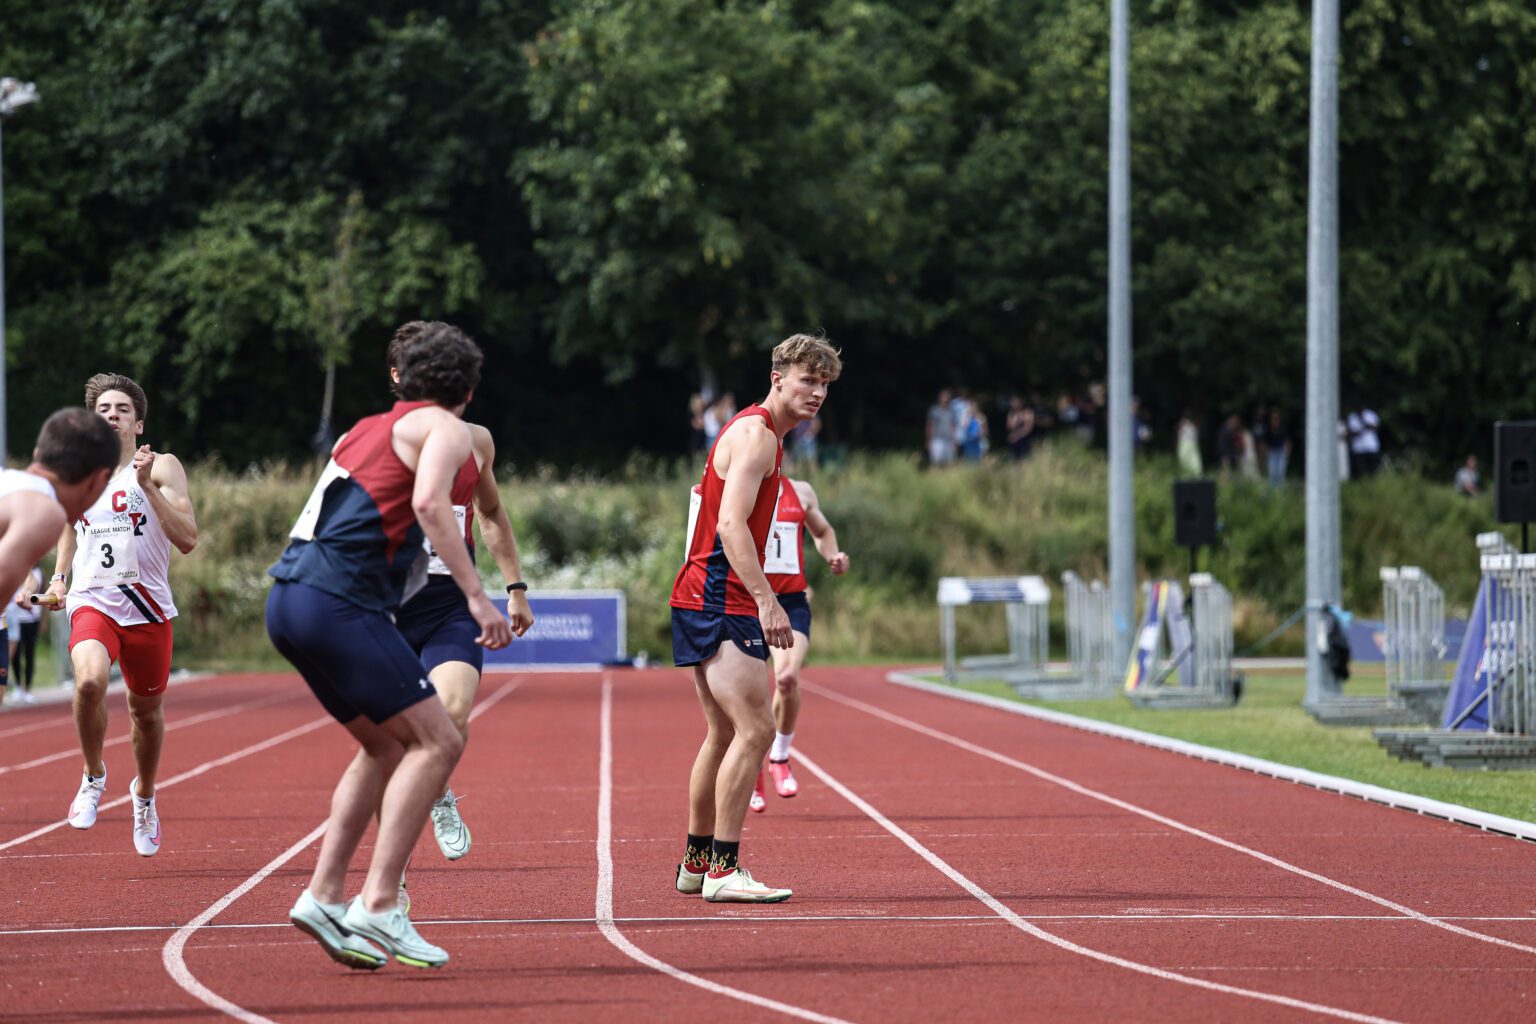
x: 782, y: 555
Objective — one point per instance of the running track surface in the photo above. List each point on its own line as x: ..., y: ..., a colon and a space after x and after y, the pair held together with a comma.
x: 949, y: 862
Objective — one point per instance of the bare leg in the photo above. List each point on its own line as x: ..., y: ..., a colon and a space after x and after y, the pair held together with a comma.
x: 91, y: 664
x: 355, y: 801
x: 456, y: 683
x: 786, y: 673
x: 148, y: 719
x: 706, y: 766
x: 735, y: 683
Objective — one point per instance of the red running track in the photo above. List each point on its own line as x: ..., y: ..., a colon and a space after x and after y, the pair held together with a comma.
x: 949, y: 861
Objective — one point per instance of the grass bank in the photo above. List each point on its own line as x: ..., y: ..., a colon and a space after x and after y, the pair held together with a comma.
x: 904, y: 527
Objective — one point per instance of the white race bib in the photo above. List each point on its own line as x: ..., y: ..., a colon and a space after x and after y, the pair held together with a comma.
x: 436, y: 566
x: 782, y: 555
x: 110, y: 555
x: 695, y: 502
x: 304, y: 528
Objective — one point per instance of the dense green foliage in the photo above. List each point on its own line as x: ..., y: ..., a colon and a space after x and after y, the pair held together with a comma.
x: 903, y: 527
x: 223, y: 197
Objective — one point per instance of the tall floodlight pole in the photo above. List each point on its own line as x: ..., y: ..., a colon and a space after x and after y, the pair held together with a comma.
x: 1323, y: 545
x: 13, y: 96
x: 1122, y: 520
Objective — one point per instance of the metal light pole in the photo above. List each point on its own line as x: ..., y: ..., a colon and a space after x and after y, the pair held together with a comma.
x: 13, y: 96
x: 1323, y: 544
x: 1122, y: 519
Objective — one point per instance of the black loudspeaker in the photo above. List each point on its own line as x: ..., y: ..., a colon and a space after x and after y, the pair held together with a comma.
x: 1514, y: 463
x: 1194, y: 513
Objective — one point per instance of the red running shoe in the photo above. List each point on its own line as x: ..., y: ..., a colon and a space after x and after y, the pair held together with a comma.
x: 783, y: 778
x: 759, y: 803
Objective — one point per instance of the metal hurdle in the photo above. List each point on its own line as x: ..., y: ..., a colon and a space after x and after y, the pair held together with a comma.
x: 1205, y: 664
x: 1090, y: 632
x: 1027, y: 605
x: 1413, y: 614
x: 1509, y: 643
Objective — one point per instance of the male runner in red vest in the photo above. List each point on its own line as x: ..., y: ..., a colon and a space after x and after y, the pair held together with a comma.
x: 799, y: 511
x: 725, y: 617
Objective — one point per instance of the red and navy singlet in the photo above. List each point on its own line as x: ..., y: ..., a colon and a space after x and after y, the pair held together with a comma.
x: 357, y: 537
x: 784, y: 558
x: 706, y: 581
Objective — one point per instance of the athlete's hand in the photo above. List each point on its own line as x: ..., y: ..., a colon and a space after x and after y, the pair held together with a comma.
x: 775, y: 623
x: 838, y: 563
x: 28, y: 588
x: 494, y: 631
x: 518, y: 613
x: 53, y: 598
x: 143, y: 461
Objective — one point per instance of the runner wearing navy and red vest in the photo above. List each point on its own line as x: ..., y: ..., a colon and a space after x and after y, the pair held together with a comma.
x: 725, y: 617
x: 799, y: 510
x: 119, y: 603
x: 435, y: 620
x: 351, y: 553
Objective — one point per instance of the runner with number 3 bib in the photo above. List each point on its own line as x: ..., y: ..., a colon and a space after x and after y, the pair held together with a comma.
x: 725, y: 617
x: 798, y: 511
x: 119, y: 601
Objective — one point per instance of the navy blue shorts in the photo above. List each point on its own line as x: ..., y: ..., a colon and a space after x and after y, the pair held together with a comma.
x: 696, y: 636
x: 437, y: 624
x: 354, y: 659
x: 798, y: 607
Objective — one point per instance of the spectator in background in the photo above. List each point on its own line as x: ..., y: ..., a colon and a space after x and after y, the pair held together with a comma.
x: 1247, y: 455
x: 1277, y: 440
x: 1187, y: 446
x: 1466, y: 478
x: 696, y: 442
x: 803, y: 448
x: 1093, y: 416
x: 973, y: 432
x: 1344, y: 455
x: 22, y: 619
x: 1364, y: 441
x: 940, y: 431
x: 1067, y: 414
x: 717, y: 416
x: 1141, y: 430
x: 1021, y: 428
x: 1229, y: 444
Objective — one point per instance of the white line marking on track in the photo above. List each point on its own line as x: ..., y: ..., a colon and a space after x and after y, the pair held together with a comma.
x: 606, y: 923
x: 998, y: 908
x: 191, y: 773
x: 1131, y: 808
x: 206, y: 716
x: 172, y: 953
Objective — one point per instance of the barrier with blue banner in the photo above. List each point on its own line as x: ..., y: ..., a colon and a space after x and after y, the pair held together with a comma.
x: 571, y: 629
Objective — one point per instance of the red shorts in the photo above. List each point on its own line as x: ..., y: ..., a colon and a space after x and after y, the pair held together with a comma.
x: 143, y: 652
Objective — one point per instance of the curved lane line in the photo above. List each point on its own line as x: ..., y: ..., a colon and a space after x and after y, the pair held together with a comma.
x: 1045, y: 776
x: 172, y: 954
x: 1002, y: 911
x: 605, y: 919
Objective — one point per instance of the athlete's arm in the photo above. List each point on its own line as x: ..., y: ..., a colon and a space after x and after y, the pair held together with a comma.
x: 443, y: 450
x: 821, y: 530
x: 63, y: 564
x: 753, y: 448
x: 35, y: 520
x: 164, y: 482
x: 496, y: 530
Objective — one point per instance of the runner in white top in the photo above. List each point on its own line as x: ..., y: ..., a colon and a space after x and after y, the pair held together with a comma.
x: 70, y: 465
x: 119, y: 603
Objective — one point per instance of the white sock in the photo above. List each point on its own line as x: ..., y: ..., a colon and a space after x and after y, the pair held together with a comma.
x: 781, y: 742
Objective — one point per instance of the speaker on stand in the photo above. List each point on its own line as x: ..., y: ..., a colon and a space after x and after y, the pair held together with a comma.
x: 1514, y: 467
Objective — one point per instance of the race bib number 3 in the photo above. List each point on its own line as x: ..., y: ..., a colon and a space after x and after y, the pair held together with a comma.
x: 110, y: 556
x: 782, y: 555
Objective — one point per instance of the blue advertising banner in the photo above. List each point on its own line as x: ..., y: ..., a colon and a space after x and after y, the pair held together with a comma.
x: 1471, y: 677
x: 571, y: 629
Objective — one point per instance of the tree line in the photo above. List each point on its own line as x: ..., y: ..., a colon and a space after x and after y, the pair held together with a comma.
x: 235, y: 200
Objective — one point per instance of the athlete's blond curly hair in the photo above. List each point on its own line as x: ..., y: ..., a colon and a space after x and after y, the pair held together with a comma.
x: 811, y: 351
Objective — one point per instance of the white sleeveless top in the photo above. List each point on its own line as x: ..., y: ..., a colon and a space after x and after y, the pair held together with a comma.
x: 13, y: 480
x: 122, y: 557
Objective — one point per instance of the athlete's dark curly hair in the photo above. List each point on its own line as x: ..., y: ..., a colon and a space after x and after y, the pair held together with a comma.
x: 404, y: 333
x: 437, y: 363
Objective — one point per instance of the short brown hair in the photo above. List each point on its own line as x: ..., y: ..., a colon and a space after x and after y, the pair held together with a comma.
x: 104, y: 382
x: 404, y: 333
x: 76, y: 442
x: 438, y: 364
x: 811, y: 351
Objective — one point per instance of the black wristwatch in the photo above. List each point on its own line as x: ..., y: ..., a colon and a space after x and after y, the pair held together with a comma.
x: 519, y: 585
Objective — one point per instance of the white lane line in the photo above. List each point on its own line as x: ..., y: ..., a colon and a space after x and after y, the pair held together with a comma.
x: 191, y: 773
x: 757, y: 921
x: 206, y: 716
x: 1131, y: 808
x: 607, y: 924
x: 53, y: 697
x: 172, y: 954
x: 1002, y: 911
